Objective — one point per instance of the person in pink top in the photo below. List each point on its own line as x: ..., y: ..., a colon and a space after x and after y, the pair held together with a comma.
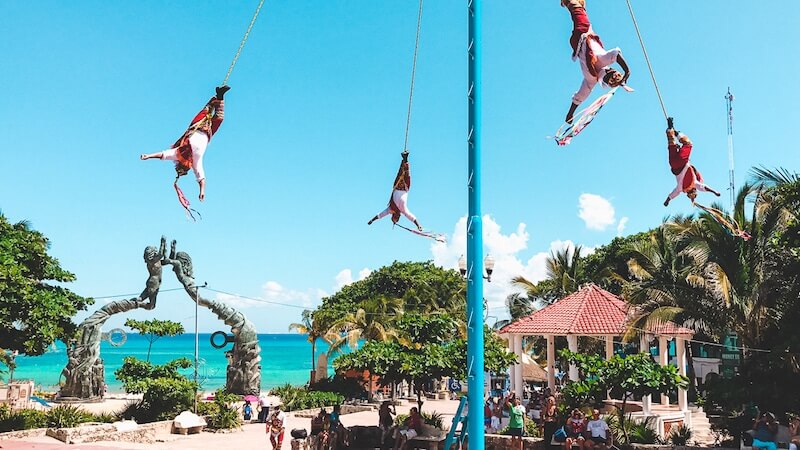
x: 687, y: 178
x: 594, y: 59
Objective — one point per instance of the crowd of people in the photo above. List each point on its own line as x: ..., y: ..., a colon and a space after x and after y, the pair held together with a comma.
x: 577, y: 430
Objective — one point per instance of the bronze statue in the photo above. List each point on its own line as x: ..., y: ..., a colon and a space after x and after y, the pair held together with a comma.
x: 84, y: 377
x: 84, y: 373
x: 244, y: 369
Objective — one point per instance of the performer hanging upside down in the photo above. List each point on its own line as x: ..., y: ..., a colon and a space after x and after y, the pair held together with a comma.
x: 688, y: 178
x: 593, y: 58
x: 398, y: 203
x: 187, y: 152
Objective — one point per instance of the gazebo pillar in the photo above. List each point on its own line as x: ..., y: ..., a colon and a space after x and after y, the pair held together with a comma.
x: 518, y: 383
x: 551, y: 358
x: 663, y: 360
x: 511, y: 370
x: 609, y: 355
x: 680, y: 352
x: 647, y: 399
x: 572, y: 343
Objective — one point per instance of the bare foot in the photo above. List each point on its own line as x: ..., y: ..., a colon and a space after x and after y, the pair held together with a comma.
x: 143, y: 157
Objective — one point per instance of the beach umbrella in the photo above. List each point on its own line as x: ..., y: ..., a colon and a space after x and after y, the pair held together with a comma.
x: 250, y: 398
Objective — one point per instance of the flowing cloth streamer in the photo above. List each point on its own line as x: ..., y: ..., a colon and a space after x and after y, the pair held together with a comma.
x: 733, y: 228
x: 435, y: 236
x: 185, y: 202
x: 568, y: 131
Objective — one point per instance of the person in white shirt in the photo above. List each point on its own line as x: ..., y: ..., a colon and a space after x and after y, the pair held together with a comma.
x: 599, y: 434
x: 594, y: 59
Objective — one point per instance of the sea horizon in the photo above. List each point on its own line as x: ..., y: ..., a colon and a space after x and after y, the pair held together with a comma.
x: 285, y: 358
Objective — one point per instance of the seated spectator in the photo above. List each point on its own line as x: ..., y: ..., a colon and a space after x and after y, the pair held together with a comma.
x: 575, y: 428
x: 386, y: 419
x: 794, y: 432
x: 764, y: 430
x: 598, y: 435
x: 318, y: 422
x: 410, y: 429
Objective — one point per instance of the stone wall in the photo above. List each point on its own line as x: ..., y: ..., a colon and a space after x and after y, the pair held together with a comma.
x: 503, y: 442
x: 344, y: 409
x: 21, y: 434
x: 145, y: 433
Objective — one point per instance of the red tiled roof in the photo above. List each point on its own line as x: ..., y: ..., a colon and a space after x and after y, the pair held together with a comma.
x: 591, y: 311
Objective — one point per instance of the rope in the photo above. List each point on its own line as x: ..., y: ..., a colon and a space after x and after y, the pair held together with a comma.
x: 647, y: 59
x: 413, y: 73
x: 241, y: 45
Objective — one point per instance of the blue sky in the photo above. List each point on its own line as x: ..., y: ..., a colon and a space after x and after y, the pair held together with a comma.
x: 315, y: 123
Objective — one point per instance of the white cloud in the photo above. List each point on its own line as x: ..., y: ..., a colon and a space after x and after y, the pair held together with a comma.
x: 506, y: 249
x: 364, y: 273
x: 596, y: 211
x: 621, y: 226
x: 345, y: 277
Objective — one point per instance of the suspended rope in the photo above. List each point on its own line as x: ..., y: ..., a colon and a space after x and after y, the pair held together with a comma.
x: 583, y: 118
x: 647, y: 59
x: 413, y: 74
x: 730, y: 225
x: 241, y: 45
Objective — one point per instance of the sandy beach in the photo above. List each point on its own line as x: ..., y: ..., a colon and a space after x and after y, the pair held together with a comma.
x: 250, y: 435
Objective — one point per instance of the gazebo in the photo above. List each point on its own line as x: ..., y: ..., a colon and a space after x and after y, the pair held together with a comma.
x: 595, y: 312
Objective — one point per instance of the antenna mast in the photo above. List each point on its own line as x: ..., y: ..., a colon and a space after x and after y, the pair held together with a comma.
x: 731, y: 186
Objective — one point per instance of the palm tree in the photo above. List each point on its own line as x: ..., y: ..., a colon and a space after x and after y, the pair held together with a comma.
x: 667, y: 285
x: 373, y: 321
x: 564, y: 277
x: 311, y: 329
x: 734, y: 269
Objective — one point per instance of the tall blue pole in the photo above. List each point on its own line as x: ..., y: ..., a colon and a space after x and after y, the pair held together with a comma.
x: 474, y: 236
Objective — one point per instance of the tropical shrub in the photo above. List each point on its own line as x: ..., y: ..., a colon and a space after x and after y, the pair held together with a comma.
x: 432, y: 418
x: 349, y: 388
x: 643, y: 433
x: 680, y: 435
x: 166, y: 392
x: 104, y: 418
x: 223, y: 415
x: 23, y: 420
x: 67, y: 416
x: 295, y: 398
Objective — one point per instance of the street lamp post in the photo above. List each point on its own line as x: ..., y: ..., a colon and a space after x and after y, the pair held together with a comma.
x: 488, y: 264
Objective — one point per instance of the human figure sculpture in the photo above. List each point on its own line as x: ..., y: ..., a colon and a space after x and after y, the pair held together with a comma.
x: 244, y: 368
x: 84, y: 375
x: 153, y: 260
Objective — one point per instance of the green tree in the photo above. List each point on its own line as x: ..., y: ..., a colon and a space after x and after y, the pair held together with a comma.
x: 418, y: 286
x: 428, y: 348
x: 34, y: 313
x: 166, y: 392
x: 564, y: 276
x: 154, y: 330
x: 630, y: 377
x: 312, y: 330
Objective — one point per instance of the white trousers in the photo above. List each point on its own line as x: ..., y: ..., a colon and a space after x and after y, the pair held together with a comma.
x: 400, y: 198
x: 199, y: 141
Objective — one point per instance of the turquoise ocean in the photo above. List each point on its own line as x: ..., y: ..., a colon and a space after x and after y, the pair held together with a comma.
x: 285, y: 358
